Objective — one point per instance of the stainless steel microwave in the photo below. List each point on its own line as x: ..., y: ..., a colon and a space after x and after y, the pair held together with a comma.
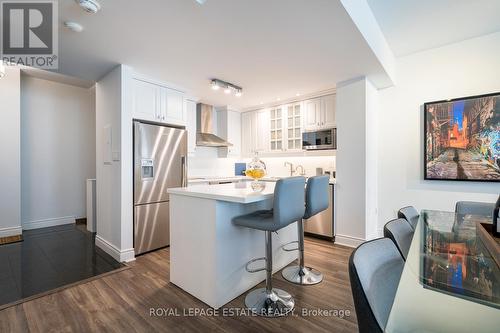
x: 320, y: 139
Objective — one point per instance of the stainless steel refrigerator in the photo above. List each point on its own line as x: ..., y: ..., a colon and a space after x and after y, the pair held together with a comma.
x: 159, y: 163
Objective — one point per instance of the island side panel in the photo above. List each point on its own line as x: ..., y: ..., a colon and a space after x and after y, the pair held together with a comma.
x: 193, y: 245
x: 238, y: 245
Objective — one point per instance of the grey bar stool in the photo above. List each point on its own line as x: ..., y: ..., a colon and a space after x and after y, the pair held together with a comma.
x: 288, y: 207
x: 317, y: 193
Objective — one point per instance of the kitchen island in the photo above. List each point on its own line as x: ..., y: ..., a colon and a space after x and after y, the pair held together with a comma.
x: 208, y: 253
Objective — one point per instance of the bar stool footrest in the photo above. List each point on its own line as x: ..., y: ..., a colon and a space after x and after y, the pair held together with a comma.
x: 257, y: 269
x: 283, y: 247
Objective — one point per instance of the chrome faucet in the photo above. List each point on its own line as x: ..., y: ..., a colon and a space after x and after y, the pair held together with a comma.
x: 302, y: 170
x: 291, y: 168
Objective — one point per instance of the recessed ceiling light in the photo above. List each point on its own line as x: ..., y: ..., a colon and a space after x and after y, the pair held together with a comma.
x: 227, y: 90
x: 278, y: 99
x: 261, y: 103
x: 297, y: 94
x: 90, y: 6
x: 73, y: 26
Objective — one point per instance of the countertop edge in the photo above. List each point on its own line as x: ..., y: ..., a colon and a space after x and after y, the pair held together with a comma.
x: 220, y: 197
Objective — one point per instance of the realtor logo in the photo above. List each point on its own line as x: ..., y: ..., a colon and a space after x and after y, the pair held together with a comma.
x: 29, y: 33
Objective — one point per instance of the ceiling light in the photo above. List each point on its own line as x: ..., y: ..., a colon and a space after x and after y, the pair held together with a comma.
x: 228, y: 87
x: 73, y: 26
x: 2, y: 69
x: 278, y: 99
x: 297, y: 94
x: 90, y: 6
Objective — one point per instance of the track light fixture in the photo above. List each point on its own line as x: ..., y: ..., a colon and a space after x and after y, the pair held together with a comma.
x: 227, y: 87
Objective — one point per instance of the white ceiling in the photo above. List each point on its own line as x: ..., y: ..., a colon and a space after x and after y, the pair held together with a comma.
x: 270, y: 48
x: 412, y: 26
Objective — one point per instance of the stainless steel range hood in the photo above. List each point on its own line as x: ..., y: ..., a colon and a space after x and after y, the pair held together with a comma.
x: 205, y: 122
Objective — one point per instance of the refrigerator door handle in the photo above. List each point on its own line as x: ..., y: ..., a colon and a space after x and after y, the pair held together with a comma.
x: 184, y: 171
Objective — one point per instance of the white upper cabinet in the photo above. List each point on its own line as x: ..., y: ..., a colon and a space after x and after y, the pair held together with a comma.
x: 312, y: 114
x: 328, y: 111
x: 277, y: 121
x: 175, y: 112
x: 157, y: 103
x: 248, y: 133
x: 319, y: 113
x: 146, y: 100
x: 293, y: 127
x: 255, y: 132
x: 262, y: 131
x: 191, y: 125
x: 229, y: 128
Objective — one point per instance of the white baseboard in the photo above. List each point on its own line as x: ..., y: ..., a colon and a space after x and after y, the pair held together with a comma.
x: 10, y: 231
x: 48, y: 222
x: 348, y: 240
x: 117, y: 254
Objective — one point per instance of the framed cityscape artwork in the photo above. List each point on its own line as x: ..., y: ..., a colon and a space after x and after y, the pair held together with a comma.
x: 462, y: 139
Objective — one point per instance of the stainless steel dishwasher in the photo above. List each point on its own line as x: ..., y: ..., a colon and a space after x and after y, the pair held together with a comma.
x: 322, y: 224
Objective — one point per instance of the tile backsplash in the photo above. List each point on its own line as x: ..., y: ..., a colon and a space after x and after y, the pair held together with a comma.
x: 206, y: 163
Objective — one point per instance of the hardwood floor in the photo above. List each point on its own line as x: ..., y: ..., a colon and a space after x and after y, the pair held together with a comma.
x: 121, y: 302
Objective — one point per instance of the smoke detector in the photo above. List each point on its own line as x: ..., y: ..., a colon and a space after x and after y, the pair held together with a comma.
x: 90, y: 6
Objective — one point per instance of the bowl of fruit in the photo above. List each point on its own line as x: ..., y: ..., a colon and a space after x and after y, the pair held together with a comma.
x: 256, y: 170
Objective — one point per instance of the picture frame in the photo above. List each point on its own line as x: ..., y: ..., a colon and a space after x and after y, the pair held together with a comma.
x: 462, y: 139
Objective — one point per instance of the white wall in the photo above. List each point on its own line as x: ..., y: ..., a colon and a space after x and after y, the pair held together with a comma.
x: 114, y: 174
x: 57, y: 151
x: 468, y: 68
x: 356, y: 211
x: 10, y: 161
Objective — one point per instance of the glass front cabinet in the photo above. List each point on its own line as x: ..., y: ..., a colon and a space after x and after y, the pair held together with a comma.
x: 293, y: 127
x: 285, y: 128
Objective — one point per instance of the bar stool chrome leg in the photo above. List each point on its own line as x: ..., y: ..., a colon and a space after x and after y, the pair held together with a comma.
x: 300, y: 274
x: 269, y: 301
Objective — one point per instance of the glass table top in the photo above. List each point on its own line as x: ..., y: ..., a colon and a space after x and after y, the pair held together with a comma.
x: 450, y: 281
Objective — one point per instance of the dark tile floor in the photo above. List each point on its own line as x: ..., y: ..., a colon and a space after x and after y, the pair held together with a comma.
x: 49, y: 258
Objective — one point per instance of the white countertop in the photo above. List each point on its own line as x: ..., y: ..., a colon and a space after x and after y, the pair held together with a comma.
x: 236, y: 192
x: 202, y: 180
